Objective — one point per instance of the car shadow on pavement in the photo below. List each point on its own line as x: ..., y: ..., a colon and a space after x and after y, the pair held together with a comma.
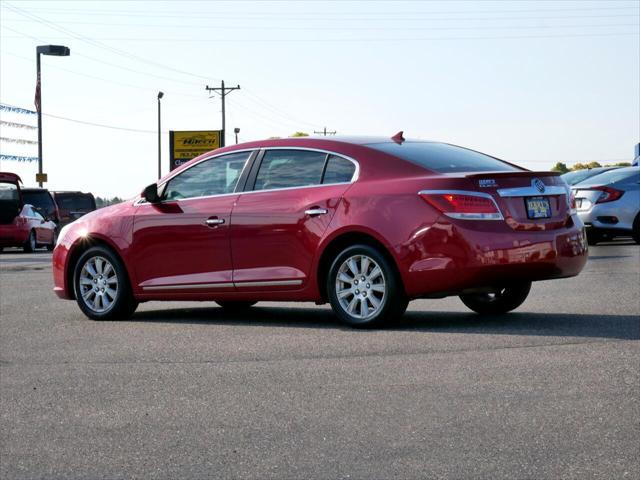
x: 625, y: 327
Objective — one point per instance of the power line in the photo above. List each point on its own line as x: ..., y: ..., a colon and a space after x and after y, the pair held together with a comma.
x: 98, y: 44
x: 325, y: 132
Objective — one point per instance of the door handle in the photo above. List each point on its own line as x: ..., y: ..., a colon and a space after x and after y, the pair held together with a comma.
x: 212, y: 222
x: 312, y: 212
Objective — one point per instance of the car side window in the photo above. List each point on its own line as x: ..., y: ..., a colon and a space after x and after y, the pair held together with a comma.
x: 38, y: 216
x: 338, y: 170
x: 290, y: 168
x: 216, y: 176
x: 28, y: 211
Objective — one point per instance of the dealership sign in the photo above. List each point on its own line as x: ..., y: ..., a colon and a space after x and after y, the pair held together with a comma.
x: 185, y: 145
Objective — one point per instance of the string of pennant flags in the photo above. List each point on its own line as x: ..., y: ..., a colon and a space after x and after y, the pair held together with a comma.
x: 13, y: 140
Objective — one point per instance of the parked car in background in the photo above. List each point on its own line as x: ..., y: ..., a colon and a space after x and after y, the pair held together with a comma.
x: 366, y: 224
x: 42, y: 201
x: 20, y: 224
x: 609, y: 204
x: 28, y: 230
x: 578, y: 176
x: 73, y: 205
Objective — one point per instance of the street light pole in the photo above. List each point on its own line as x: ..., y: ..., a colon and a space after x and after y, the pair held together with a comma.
x: 160, y: 95
x: 54, y: 50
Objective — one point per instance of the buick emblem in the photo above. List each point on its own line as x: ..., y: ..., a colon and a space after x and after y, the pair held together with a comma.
x: 538, y: 185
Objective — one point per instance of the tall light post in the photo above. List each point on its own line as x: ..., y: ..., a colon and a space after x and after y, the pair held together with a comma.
x: 56, y: 51
x: 160, y: 95
x: 236, y: 131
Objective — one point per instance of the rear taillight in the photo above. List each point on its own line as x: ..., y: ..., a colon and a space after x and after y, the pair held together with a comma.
x: 572, y: 203
x: 463, y: 205
x: 608, y: 194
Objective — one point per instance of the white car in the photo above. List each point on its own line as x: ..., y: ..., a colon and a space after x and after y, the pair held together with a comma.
x: 609, y: 204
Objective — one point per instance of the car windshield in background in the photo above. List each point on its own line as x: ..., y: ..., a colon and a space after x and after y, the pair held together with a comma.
x: 74, y: 202
x: 614, y: 176
x: 443, y: 158
x: 39, y: 199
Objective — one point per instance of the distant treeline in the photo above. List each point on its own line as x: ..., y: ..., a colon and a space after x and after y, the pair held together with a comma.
x: 562, y: 167
x: 105, y: 202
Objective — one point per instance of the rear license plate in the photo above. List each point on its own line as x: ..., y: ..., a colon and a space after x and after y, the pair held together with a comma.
x: 538, y: 207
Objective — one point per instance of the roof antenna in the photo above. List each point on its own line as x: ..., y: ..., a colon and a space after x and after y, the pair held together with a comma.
x: 398, y: 138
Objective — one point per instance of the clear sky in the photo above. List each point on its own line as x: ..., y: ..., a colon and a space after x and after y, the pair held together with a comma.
x: 530, y: 82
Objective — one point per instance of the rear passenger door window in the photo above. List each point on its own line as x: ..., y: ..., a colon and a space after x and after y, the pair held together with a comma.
x: 290, y: 168
x: 338, y: 170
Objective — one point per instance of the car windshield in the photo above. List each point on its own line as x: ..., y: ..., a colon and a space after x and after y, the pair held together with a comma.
x: 580, y: 175
x: 613, y: 176
x: 442, y: 157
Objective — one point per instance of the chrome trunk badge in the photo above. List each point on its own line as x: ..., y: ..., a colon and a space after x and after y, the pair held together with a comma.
x: 538, y: 185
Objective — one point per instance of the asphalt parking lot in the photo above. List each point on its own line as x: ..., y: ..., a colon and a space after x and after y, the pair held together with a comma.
x: 184, y: 390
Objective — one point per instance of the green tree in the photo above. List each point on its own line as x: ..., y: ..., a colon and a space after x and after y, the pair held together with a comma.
x: 300, y: 134
x: 593, y: 165
x: 560, y: 167
x: 619, y: 164
x: 579, y: 166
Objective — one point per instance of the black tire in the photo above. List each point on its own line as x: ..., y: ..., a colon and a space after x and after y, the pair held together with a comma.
x: 235, y: 306
x: 123, y: 305
x: 593, y: 237
x: 391, y: 305
x: 635, y: 233
x: 30, y: 245
x: 503, y: 301
x: 52, y: 245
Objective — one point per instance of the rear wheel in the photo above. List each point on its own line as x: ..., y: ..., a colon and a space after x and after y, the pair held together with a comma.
x: 501, y: 301
x: 594, y: 236
x: 235, y: 306
x: 102, y: 286
x: 30, y: 245
x: 364, y: 288
x: 635, y: 233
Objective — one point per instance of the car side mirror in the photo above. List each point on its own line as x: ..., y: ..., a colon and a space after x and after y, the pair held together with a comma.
x: 150, y: 193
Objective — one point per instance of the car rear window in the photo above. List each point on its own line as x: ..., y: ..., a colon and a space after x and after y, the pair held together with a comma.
x: 74, y: 202
x: 9, y: 202
x: 442, y: 157
x: 338, y: 170
x: 626, y: 175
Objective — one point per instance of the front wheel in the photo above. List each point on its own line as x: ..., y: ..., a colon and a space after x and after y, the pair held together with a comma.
x: 102, y: 286
x: 364, y: 288
x: 501, y: 301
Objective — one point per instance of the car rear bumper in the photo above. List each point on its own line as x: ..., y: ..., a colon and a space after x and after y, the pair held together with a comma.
x: 450, y: 258
x: 12, y: 236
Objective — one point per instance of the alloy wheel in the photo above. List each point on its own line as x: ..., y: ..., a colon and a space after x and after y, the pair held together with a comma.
x: 361, y: 287
x: 98, y: 284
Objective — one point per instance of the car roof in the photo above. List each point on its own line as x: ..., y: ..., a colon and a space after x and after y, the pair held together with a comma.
x: 597, y: 179
x: 35, y: 189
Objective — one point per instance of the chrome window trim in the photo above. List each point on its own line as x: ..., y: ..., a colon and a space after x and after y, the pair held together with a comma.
x: 530, y: 191
x: 461, y: 216
x: 182, y: 286
x: 354, y: 178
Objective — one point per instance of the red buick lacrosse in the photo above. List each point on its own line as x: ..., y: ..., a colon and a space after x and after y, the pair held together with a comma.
x: 366, y: 224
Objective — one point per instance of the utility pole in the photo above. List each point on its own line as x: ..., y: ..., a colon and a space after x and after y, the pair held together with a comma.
x: 325, y: 132
x: 224, y: 91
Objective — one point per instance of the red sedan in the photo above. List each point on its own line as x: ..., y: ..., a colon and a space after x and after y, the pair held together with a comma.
x: 366, y: 224
x: 29, y: 230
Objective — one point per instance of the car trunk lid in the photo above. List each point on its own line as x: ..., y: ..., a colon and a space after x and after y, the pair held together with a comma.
x: 527, y: 200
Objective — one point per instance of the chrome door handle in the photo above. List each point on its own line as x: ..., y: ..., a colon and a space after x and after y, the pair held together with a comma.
x: 312, y: 212
x: 212, y: 222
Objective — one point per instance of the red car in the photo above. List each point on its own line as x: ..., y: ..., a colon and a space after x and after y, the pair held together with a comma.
x: 366, y: 224
x: 20, y: 224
